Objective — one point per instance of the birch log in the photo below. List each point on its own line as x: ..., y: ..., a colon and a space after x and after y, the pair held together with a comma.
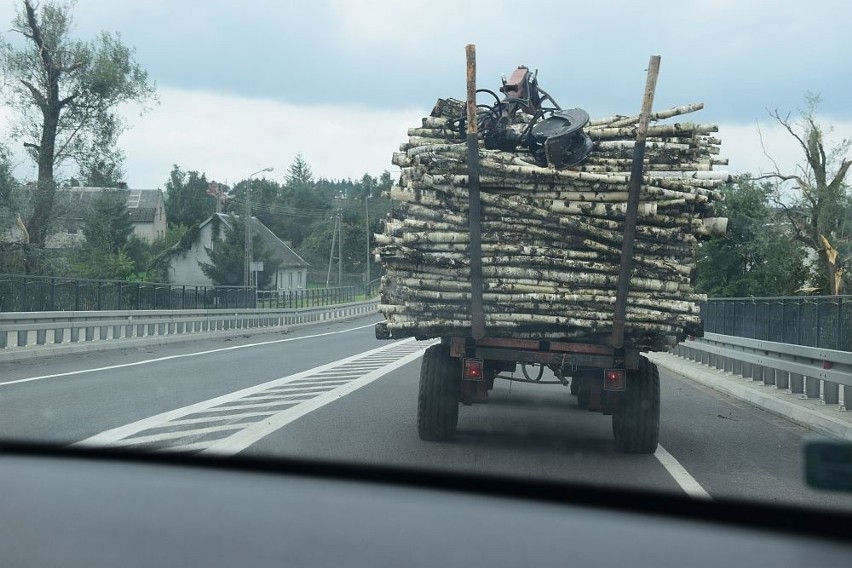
x: 551, y: 238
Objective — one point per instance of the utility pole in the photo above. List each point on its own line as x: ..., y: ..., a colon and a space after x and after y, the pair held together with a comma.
x: 248, y: 244
x: 367, y: 217
x: 331, y: 253
x: 339, y: 248
x: 248, y: 239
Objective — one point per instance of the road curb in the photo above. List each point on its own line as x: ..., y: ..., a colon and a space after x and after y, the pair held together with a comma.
x: 34, y: 352
x: 766, y: 397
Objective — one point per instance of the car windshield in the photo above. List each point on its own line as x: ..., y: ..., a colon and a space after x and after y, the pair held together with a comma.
x: 607, y: 243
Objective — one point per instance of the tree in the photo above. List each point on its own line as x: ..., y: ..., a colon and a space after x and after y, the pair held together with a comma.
x: 65, y: 93
x: 187, y: 200
x: 299, y: 173
x: 821, y: 197
x: 107, y: 228
x: 107, y: 224
x: 11, y: 257
x: 757, y: 256
x: 228, y: 253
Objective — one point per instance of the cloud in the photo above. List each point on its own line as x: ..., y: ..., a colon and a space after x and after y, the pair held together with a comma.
x: 228, y: 137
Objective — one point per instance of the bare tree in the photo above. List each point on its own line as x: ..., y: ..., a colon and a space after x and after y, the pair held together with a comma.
x: 821, y: 196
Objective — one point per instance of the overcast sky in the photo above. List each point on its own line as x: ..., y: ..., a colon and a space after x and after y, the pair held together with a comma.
x: 248, y: 84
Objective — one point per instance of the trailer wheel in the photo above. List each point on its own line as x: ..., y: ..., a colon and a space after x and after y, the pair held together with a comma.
x: 636, y: 420
x: 438, y: 398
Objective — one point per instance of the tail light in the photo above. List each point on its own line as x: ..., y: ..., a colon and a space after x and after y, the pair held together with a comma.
x: 472, y: 369
x: 614, y: 380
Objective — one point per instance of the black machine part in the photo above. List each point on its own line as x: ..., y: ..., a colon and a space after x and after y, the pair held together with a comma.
x: 560, y: 138
x: 553, y: 136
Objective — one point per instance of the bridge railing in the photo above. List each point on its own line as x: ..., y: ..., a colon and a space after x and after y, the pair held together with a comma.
x: 814, y: 321
x: 800, y: 344
x: 19, y: 330
x: 24, y: 293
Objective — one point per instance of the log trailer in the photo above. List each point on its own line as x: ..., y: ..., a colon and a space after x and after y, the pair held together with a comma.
x: 606, y: 373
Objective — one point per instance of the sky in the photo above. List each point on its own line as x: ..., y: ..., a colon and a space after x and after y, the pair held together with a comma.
x: 245, y: 85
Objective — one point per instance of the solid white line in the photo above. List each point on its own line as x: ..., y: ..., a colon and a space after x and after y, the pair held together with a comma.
x: 683, y: 478
x: 171, y: 357
x: 109, y: 437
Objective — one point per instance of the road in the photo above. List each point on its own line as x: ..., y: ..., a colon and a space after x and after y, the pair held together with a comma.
x: 333, y: 392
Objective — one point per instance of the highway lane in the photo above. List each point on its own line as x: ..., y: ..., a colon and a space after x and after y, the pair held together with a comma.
x: 71, y: 407
x: 363, y: 408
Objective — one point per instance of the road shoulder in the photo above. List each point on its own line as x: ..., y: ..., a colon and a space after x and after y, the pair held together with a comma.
x: 810, y: 413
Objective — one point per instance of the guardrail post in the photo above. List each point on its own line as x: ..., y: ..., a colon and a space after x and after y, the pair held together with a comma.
x: 768, y: 376
x: 812, y: 387
x: 830, y: 392
x: 782, y: 380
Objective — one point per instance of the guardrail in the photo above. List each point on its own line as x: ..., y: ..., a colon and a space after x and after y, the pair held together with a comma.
x: 811, y: 372
x: 24, y: 329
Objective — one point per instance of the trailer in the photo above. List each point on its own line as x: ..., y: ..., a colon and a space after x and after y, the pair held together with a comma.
x: 606, y: 371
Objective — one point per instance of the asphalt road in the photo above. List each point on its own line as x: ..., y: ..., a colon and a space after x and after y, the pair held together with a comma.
x: 333, y: 392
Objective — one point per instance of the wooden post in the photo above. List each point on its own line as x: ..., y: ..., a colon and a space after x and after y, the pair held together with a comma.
x: 633, y: 188
x: 475, y: 205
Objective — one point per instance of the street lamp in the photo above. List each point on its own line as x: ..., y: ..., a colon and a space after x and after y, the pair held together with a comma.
x: 248, y: 238
x: 367, y: 216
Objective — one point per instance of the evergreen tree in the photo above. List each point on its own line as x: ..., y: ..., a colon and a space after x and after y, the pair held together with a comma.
x: 187, y: 200
x: 227, y: 256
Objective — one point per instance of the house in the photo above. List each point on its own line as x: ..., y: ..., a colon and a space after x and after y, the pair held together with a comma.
x: 184, y: 266
x: 147, y: 209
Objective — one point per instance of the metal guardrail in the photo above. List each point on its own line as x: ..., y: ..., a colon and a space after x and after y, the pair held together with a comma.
x: 815, y: 321
x: 23, y: 329
x: 811, y: 372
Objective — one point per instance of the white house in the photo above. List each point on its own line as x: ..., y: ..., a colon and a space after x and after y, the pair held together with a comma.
x: 185, y: 265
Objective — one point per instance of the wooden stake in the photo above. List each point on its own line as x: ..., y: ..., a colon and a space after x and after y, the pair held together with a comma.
x: 475, y: 206
x: 633, y: 187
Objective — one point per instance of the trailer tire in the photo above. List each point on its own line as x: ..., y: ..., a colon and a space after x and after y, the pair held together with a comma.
x: 636, y: 420
x: 438, y: 397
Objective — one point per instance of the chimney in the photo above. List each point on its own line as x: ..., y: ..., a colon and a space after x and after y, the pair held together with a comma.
x: 121, y: 185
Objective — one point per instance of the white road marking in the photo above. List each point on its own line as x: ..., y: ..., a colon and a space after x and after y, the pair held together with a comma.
x: 181, y: 356
x: 165, y: 427
x: 683, y: 478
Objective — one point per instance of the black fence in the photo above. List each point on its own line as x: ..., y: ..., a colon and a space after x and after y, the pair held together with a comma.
x: 307, y: 298
x: 815, y: 321
x: 20, y: 293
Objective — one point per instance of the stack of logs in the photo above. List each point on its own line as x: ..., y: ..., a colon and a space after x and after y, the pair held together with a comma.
x: 551, y: 238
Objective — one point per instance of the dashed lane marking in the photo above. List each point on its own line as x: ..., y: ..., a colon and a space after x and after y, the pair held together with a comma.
x: 228, y: 424
x: 683, y: 478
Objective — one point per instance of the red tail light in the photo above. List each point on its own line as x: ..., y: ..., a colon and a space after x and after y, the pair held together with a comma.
x: 614, y: 380
x: 472, y: 369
